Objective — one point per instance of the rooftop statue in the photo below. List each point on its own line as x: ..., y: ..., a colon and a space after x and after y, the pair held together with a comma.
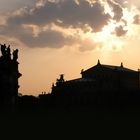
x: 61, y: 79
x: 15, y: 55
x: 3, y: 49
x: 6, y: 51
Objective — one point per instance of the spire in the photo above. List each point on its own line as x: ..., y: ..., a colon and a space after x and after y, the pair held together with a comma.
x: 121, y: 65
x: 98, y: 62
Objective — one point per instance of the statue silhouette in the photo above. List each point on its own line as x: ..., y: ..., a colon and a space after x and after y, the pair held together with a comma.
x: 8, y: 51
x: 15, y: 55
x: 3, y: 49
x: 61, y: 79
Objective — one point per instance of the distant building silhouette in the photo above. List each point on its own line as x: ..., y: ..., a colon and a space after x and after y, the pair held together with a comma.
x: 99, y: 78
x: 9, y: 75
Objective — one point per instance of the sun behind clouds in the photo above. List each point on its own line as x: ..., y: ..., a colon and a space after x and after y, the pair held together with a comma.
x: 113, y: 36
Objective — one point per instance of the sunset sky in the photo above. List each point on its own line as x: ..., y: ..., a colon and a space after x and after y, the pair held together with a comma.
x: 64, y: 36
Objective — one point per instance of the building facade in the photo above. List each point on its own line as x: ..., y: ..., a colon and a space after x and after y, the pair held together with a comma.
x: 9, y: 75
x: 99, y: 78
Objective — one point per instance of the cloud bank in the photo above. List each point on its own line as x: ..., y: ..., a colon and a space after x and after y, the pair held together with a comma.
x: 58, y: 23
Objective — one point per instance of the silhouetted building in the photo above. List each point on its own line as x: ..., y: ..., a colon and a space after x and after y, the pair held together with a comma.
x: 99, y: 78
x: 9, y: 75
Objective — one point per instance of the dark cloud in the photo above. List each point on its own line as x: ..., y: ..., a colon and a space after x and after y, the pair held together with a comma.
x: 11, y: 5
x: 137, y: 19
x: 67, y: 11
x: 117, y: 10
x: 120, y: 31
x: 48, y: 38
x: 63, y: 13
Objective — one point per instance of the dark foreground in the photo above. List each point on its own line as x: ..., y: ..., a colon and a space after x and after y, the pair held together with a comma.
x: 72, y: 123
x: 110, y: 108
x: 117, y: 114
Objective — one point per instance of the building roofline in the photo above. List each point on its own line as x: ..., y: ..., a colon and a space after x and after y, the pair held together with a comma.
x: 113, y: 67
